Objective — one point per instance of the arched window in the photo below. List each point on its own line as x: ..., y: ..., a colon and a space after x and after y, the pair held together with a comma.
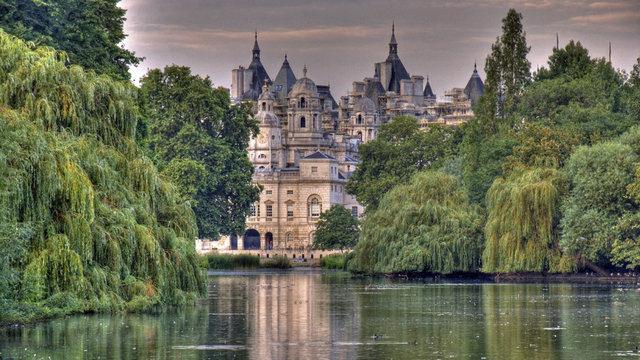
x: 289, y: 237
x: 264, y: 106
x: 314, y: 207
x: 360, y: 135
x: 359, y: 119
x: 303, y: 122
x: 262, y: 156
x: 303, y: 103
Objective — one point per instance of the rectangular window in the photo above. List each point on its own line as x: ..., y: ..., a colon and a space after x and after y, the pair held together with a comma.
x: 268, y: 192
x: 354, y: 211
x: 289, y: 192
x: 269, y: 211
x: 253, y: 210
x: 289, y: 210
x: 314, y: 169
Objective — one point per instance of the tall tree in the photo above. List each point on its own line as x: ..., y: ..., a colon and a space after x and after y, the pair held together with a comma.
x: 199, y: 141
x: 89, y: 31
x: 508, y: 71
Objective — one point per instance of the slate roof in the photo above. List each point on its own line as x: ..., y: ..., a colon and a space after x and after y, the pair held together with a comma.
x: 259, y: 74
x: 324, y: 91
x: 475, y: 87
x: 318, y: 155
x: 427, y: 90
x: 398, y: 72
x: 284, y: 80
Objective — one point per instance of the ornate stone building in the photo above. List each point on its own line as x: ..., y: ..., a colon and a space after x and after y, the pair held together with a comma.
x: 302, y: 163
x: 306, y: 149
x: 394, y: 92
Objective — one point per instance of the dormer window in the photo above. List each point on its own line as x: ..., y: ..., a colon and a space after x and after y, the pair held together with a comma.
x: 359, y: 119
x: 303, y: 103
x: 264, y: 106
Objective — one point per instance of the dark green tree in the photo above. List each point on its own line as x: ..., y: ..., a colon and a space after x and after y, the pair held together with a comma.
x: 508, y: 71
x: 89, y: 31
x: 400, y: 149
x: 336, y: 229
x: 199, y: 141
x: 598, y: 177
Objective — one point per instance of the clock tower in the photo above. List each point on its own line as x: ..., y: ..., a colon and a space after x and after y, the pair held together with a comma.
x: 265, y: 150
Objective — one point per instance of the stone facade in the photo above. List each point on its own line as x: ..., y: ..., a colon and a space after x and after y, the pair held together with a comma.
x: 306, y: 149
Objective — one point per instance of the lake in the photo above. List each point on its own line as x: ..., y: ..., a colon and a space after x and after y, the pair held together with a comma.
x: 310, y: 314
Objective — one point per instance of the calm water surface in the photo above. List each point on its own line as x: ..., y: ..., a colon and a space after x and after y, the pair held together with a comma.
x: 307, y: 314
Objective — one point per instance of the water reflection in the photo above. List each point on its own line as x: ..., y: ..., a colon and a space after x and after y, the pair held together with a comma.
x: 304, y: 314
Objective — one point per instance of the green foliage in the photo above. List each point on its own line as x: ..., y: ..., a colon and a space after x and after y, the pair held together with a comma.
x: 541, y: 146
x: 336, y: 229
x: 423, y: 226
x: 599, y: 176
x: 334, y: 262
x: 82, y: 208
x: 198, y: 140
x: 88, y: 31
x: 230, y: 262
x: 400, y: 150
x: 482, y: 159
x: 587, y: 97
x: 521, y: 231
x: 277, y: 262
x: 573, y: 61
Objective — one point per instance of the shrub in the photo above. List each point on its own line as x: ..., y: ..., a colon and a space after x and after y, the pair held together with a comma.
x: 277, y: 262
x: 334, y: 261
x: 230, y: 262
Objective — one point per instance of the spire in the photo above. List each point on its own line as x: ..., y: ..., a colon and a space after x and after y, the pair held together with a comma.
x: 393, y: 44
x: 256, y: 48
x: 304, y: 71
x: 475, y: 68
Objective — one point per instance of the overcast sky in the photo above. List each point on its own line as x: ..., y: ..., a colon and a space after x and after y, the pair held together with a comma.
x: 340, y: 40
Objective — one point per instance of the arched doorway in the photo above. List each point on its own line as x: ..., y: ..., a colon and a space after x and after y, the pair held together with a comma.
x: 252, y: 240
x: 268, y: 241
x: 233, y: 242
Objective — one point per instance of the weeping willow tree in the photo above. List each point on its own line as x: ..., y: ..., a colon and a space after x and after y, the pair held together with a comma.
x: 521, y: 233
x: 426, y: 225
x: 98, y: 227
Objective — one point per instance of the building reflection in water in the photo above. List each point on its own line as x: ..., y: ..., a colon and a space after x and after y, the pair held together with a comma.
x: 286, y: 316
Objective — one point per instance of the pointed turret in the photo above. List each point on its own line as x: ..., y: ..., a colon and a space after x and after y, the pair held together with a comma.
x: 392, y: 71
x: 429, y: 96
x: 258, y: 74
x: 475, y: 87
x: 284, y: 80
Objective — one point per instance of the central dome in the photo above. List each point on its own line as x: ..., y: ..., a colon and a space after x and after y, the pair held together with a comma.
x: 304, y: 87
x: 365, y: 105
